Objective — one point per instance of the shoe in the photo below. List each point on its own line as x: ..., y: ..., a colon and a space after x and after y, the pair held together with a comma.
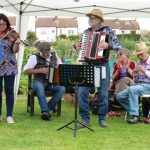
x: 0, y: 118
x: 83, y: 124
x: 133, y: 120
x: 103, y: 124
x: 45, y: 116
x: 10, y: 120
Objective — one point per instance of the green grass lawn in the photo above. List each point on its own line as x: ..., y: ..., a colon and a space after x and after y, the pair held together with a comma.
x: 31, y: 133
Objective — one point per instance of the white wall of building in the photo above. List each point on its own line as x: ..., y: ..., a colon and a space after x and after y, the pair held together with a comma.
x: 50, y: 33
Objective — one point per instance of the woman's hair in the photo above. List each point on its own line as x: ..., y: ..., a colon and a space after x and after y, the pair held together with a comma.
x: 5, y: 19
x: 125, y: 51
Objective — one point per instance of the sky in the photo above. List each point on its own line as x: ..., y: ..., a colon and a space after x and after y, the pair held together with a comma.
x: 144, y: 23
x: 83, y: 24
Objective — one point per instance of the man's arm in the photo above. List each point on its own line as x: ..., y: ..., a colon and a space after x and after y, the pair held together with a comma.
x: 29, y: 68
x: 36, y: 71
x: 113, y: 43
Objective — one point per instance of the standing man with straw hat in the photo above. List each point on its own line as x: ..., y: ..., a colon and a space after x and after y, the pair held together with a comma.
x: 95, y: 22
x: 129, y: 98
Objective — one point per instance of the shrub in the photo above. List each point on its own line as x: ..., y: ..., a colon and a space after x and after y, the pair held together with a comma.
x: 24, y: 78
x: 23, y: 84
x: 129, y: 37
x: 31, y: 38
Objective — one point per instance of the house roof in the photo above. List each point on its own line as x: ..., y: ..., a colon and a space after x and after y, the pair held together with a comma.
x: 72, y: 23
x: 59, y: 22
x: 111, y: 23
x: 122, y: 24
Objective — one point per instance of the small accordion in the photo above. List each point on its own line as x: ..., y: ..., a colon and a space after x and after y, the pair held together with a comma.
x: 90, y: 47
x: 53, y: 75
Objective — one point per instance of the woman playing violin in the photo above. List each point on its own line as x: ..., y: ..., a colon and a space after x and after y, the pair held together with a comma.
x: 8, y: 65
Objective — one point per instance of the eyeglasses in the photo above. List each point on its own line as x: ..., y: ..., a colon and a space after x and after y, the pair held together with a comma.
x: 92, y: 17
x: 3, y: 24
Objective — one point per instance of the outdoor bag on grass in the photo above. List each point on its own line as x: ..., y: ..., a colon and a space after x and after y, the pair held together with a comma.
x: 146, y: 106
x: 94, y: 104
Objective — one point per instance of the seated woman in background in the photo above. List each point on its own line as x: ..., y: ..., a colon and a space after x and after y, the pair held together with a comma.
x: 122, y: 75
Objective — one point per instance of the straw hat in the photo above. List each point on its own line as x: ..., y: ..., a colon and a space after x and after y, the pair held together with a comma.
x: 96, y: 12
x: 140, y: 47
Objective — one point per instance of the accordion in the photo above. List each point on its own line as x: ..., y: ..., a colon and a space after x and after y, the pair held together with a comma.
x: 53, y: 75
x: 90, y: 47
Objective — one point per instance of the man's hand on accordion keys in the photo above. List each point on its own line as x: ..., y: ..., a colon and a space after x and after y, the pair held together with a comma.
x: 103, y: 45
x: 43, y: 70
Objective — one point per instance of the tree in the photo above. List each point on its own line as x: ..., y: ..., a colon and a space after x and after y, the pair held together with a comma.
x: 31, y: 38
x: 64, y: 49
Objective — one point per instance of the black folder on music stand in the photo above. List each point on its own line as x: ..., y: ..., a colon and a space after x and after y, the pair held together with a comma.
x: 75, y: 76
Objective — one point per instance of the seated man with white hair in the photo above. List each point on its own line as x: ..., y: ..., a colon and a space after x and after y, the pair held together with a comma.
x: 38, y: 65
x: 129, y: 98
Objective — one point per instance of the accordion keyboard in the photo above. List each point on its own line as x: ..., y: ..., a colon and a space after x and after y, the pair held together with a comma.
x: 83, y: 47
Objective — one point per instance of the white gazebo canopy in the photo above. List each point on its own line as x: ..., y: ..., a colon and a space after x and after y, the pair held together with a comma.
x: 76, y: 8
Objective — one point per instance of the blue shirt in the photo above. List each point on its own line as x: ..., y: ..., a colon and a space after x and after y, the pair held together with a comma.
x: 124, y: 72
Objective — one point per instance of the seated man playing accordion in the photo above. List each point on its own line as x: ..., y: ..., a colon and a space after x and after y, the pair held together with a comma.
x: 39, y: 65
x: 95, y: 20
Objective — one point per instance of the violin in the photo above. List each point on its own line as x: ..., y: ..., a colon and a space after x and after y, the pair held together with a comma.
x: 12, y: 35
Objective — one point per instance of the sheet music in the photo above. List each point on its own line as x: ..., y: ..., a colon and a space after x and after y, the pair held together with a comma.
x: 99, y: 73
x: 97, y: 76
x: 103, y: 72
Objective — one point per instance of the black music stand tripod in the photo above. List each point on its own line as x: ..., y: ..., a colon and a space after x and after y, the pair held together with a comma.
x: 76, y: 75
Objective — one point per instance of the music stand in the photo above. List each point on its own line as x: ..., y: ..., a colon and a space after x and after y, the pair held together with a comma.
x: 75, y: 76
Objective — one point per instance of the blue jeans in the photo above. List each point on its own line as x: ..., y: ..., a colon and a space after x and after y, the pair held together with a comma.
x: 9, y: 91
x: 129, y: 98
x: 103, y: 97
x: 39, y: 88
